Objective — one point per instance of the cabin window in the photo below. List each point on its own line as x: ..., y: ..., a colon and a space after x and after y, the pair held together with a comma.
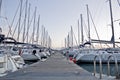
x: 1, y: 65
x: 115, y: 51
x: 15, y: 49
x: 110, y: 52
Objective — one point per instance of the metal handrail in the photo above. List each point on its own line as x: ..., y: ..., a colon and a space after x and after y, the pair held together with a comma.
x: 116, y: 65
x: 100, y: 63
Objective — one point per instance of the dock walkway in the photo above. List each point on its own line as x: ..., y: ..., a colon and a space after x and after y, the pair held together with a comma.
x: 55, y: 67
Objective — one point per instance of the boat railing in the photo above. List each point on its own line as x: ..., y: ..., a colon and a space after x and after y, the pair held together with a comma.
x: 108, y: 66
x: 116, y: 66
x: 100, y: 64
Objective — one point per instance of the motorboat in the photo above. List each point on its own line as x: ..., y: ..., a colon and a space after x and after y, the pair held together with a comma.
x: 33, y: 54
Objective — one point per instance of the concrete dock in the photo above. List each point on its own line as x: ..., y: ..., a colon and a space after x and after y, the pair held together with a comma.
x: 56, y: 67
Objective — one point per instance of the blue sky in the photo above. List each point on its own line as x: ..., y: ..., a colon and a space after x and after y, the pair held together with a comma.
x: 58, y: 15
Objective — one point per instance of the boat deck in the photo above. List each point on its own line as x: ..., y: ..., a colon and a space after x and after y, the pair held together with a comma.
x: 56, y: 67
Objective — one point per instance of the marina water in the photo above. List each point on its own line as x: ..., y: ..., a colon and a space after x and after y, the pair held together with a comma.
x: 90, y: 68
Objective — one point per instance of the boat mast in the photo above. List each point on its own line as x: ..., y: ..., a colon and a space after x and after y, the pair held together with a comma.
x: 21, y: 1
x: 0, y: 6
x: 65, y: 42
x: 37, y: 36
x: 68, y: 41
x: 48, y: 45
x: 28, y: 22
x: 34, y: 26
x: 46, y: 38
x: 42, y: 35
x: 82, y: 37
x: 24, y: 29
x: 112, y: 25
x: 88, y: 24
x: 71, y: 37
x: 49, y: 42
x: 0, y: 15
x: 78, y: 34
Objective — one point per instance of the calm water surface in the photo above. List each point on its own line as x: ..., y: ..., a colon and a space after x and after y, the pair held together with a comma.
x: 90, y: 68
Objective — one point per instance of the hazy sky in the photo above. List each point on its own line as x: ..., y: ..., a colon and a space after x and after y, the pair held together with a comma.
x: 58, y: 15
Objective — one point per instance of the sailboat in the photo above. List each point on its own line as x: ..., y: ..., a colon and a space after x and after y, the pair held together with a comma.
x: 87, y: 55
x: 10, y: 62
